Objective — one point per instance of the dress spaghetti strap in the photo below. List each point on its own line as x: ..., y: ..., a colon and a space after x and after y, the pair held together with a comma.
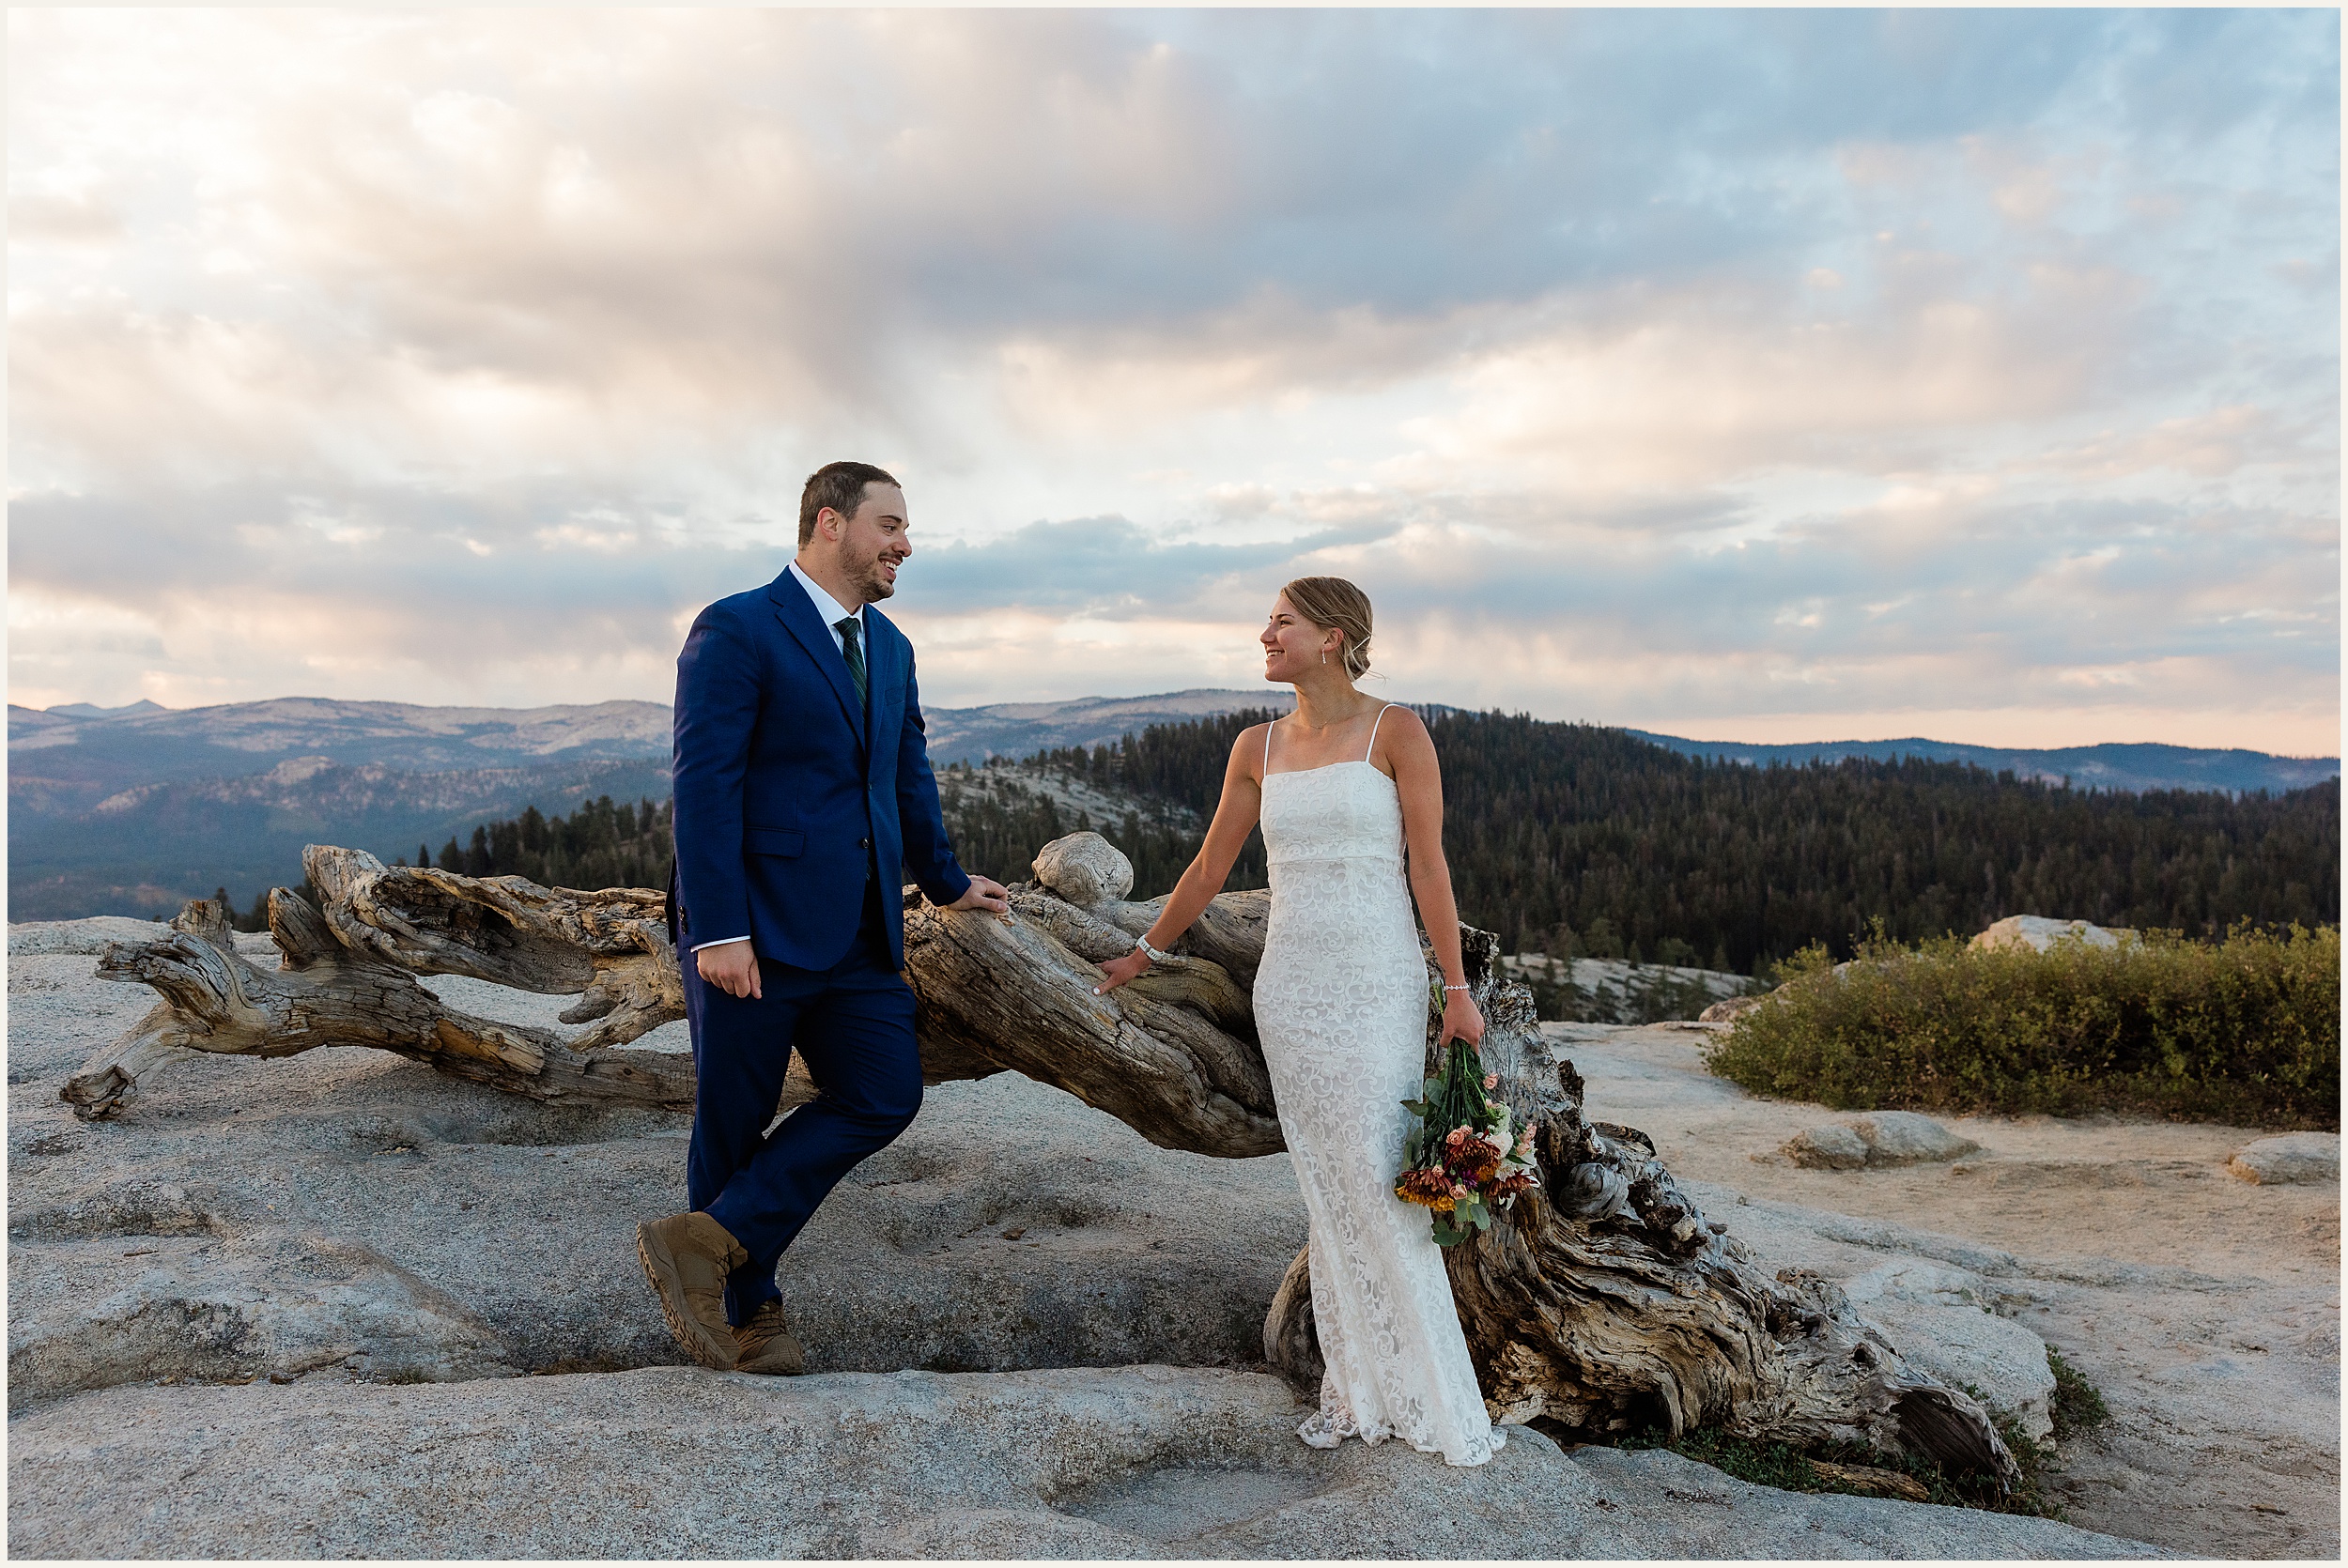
x: 1373, y: 732
x: 1267, y: 747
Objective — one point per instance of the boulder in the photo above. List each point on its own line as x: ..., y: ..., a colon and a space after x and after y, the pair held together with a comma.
x: 1905, y: 1138
x: 1729, y: 1009
x: 1944, y: 1321
x: 1084, y: 869
x: 2291, y: 1157
x: 1883, y: 1138
x: 1834, y: 1147
x: 2038, y: 933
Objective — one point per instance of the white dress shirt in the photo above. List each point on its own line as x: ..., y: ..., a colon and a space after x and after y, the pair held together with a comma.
x: 830, y: 611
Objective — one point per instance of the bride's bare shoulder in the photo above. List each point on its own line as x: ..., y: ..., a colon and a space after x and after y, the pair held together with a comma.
x: 1401, y: 719
x: 1402, y: 737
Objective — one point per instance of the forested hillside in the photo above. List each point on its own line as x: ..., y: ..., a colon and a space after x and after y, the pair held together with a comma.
x: 1580, y: 841
x: 999, y: 815
x: 599, y: 845
x: 997, y: 820
x: 1569, y: 839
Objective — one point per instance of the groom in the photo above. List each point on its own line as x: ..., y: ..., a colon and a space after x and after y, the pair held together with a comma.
x: 802, y: 785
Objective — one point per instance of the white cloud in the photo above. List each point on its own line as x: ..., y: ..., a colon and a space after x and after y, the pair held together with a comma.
x: 1958, y: 364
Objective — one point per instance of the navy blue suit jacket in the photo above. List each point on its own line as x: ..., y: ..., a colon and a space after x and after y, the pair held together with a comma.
x: 786, y: 793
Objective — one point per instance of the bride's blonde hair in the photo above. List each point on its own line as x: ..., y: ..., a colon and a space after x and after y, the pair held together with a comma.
x: 1333, y: 604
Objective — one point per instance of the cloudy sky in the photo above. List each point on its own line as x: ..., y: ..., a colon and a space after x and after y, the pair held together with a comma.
x: 1744, y: 375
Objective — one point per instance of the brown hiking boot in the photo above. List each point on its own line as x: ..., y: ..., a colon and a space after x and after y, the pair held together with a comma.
x: 766, y: 1345
x: 687, y: 1257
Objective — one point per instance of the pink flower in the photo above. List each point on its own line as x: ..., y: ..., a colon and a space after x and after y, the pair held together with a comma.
x: 1492, y: 1081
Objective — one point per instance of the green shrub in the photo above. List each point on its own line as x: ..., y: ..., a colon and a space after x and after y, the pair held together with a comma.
x: 2078, y: 1407
x: 2244, y: 1030
x: 1791, y: 1470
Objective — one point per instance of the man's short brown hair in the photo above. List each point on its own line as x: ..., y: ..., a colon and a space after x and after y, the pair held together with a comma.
x: 840, y: 487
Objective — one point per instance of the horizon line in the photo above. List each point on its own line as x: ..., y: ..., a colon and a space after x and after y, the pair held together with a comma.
x: 1187, y: 691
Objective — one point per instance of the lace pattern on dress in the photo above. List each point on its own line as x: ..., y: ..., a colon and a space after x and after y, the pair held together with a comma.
x: 1341, y: 1007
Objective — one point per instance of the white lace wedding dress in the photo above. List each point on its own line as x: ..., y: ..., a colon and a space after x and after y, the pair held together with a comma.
x: 1341, y: 1007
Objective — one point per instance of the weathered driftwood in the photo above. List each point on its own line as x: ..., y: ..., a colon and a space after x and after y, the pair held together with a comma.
x: 1173, y: 1055
x: 1606, y: 1303
x: 325, y: 994
x: 610, y: 948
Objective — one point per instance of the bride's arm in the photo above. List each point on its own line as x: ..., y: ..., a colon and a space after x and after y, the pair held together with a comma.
x: 1234, y: 818
x: 1418, y: 779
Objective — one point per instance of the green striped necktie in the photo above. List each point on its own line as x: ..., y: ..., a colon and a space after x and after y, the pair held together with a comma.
x: 853, y: 650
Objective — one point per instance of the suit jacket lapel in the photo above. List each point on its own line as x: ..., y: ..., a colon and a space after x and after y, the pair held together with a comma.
x: 798, y: 613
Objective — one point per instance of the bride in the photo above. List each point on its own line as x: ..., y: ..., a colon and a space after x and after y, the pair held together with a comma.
x: 1341, y: 786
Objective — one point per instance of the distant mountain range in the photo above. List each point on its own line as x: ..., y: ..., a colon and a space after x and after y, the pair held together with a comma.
x: 132, y: 810
x: 2111, y: 766
x: 1023, y: 728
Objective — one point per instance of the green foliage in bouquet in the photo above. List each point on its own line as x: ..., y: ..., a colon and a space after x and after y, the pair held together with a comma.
x: 1461, y: 1162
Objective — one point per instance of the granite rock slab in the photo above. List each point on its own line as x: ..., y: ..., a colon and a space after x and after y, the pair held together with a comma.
x: 1134, y: 1462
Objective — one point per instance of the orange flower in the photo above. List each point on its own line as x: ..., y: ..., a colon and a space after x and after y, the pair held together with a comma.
x: 1429, y: 1187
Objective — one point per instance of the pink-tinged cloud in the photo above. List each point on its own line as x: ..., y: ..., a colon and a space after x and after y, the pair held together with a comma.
x: 1969, y: 372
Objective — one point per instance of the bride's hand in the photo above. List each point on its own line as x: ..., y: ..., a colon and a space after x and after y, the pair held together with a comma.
x: 1460, y: 1019
x: 1118, y: 971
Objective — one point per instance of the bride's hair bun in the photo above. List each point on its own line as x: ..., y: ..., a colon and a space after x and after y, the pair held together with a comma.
x: 1333, y: 604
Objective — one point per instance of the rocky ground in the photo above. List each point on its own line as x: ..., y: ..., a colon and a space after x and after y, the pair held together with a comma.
x: 336, y: 1304
x: 2205, y: 1308
x: 1611, y: 991
x: 1015, y: 784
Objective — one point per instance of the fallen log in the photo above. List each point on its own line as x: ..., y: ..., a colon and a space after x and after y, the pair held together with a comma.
x: 1173, y: 1055
x: 1606, y: 1303
x: 610, y: 948
x: 323, y: 993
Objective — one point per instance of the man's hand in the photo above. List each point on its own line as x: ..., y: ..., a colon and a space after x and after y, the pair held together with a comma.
x: 987, y: 894
x: 731, y: 967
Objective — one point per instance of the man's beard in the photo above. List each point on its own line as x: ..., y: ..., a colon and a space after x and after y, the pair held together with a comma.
x: 874, y: 582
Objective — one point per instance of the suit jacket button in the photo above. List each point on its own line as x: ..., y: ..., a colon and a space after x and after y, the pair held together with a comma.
x: 864, y: 843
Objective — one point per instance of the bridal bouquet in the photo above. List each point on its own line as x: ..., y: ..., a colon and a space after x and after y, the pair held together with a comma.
x: 1461, y: 1160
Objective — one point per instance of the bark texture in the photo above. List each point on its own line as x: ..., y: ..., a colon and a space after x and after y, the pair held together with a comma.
x: 325, y: 993
x: 610, y: 948
x: 1606, y: 1303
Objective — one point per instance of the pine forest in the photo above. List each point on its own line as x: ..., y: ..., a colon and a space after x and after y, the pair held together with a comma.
x: 1576, y: 840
